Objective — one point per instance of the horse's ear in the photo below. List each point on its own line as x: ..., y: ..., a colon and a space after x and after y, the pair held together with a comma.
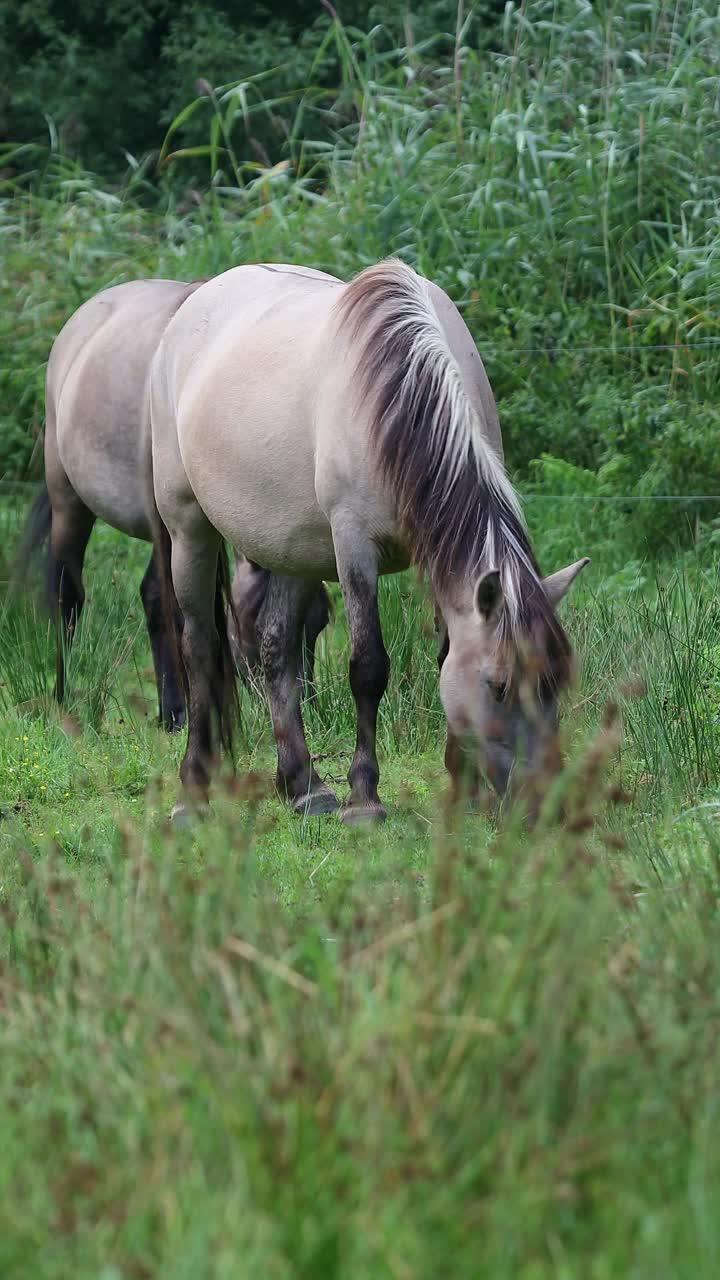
x: 558, y: 584
x: 488, y: 594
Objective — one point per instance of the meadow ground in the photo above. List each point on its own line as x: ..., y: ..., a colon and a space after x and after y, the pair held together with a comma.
x: 283, y: 1048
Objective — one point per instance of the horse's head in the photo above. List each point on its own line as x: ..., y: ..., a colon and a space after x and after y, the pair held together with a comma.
x: 500, y: 681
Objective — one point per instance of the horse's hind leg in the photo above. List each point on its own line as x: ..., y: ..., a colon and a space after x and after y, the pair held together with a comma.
x: 249, y: 589
x: 280, y: 627
x: 165, y: 651
x: 316, y: 619
x: 369, y: 663
x: 195, y: 553
x: 72, y: 524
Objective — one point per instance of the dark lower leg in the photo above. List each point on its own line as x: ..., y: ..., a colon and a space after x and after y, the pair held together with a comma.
x: 369, y: 669
x: 356, y: 559
x: 200, y: 651
x: 280, y: 635
x: 195, y: 551
x: 68, y: 593
x: 165, y: 652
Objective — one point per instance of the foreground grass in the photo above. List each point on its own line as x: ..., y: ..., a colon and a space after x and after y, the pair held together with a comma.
x: 263, y: 1047
x: 504, y: 1067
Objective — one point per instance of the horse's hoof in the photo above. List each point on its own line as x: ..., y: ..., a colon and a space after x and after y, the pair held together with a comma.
x: 354, y: 814
x: 183, y: 815
x: 321, y: 800
x: 172, y: 721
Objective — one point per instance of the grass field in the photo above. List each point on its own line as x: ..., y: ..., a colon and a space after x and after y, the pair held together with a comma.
x: 268, y: 1047
x: 287, y: 1050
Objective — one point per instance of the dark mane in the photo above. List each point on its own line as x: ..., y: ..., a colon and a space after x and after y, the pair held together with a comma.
x: 456, y: 507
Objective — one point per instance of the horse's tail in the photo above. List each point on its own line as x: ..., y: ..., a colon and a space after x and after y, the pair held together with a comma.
x: 35, y: 544
x: 223, y: 688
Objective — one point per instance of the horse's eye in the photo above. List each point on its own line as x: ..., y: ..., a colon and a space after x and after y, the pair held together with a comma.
x: 498, y: 689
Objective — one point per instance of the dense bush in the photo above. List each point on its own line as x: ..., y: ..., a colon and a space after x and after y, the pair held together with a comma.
x: 557, y: 173
x: 106, y: 76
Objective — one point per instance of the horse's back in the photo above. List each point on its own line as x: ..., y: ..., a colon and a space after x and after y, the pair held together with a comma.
x: 233, y: 408
x: 247, y: 307
x: 257, y: 417
x: 97, y: 430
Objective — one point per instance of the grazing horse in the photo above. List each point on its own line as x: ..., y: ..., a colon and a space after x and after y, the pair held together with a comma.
x: 98, y: 463
x: 335, y: 431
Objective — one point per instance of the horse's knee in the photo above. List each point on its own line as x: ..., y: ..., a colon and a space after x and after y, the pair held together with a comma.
x: 67, y: 592
x: 199, y: 645
x: 273, y: 653
x: 150, y: 590
x: 370, y: 671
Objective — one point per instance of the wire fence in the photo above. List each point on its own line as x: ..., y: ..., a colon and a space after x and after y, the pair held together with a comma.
x: 25, y: 488
x: 496, y: 350
x: 625, y: 498
x: 631, y: 349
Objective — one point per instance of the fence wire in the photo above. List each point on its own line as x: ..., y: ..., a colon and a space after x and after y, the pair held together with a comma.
x: 495, y: 351
x: 28, y: 487
x: 631, y: 350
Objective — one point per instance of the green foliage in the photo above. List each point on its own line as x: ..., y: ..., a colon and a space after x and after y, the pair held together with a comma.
x: 104, y: 77
x: 556, y: 173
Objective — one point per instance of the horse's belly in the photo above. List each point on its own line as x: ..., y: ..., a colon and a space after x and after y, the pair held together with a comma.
x: 246, y: 439
x: 302, y: 549
x: 270, y: 515
x: 108, y: 479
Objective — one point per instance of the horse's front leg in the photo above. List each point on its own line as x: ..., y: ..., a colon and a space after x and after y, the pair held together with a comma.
x: 279, y: 629
x: 357, y: 566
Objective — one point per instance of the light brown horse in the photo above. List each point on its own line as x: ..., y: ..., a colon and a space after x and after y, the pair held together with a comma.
x: 341, y: 431
x: 98, y: 462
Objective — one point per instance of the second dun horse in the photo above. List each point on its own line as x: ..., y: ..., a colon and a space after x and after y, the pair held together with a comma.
x: 98, y: 463
x: 342, y: 431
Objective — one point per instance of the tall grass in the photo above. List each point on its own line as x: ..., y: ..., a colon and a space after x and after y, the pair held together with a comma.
x: 503, y: 1066
x: 654, y: 629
